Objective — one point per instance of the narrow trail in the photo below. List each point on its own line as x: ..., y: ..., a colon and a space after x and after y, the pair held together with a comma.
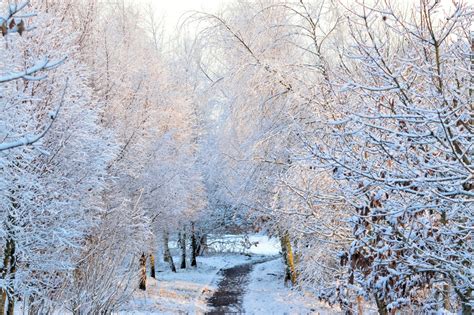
x: 231, y: 289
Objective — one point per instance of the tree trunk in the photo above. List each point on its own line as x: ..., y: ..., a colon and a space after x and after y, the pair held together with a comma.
x: 202, y: 245
x: 466, y: 305
x: 11, y: 305
x: 381, y: 305
x: 167, y: 254
x: 183, y: 250
x: 3, y: 300
x: 285, y: 260
x: 194, y: 246
x: 165, y: 257
x: 8, y: 271
x: 446, y: 304
x: 360, y: 305
x: 142, y: 285
x: 466, y: 309
x: 152, y: 266
x: 289, y: 259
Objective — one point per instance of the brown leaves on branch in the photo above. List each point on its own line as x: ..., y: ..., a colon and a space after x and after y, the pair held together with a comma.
x: 13, y: 27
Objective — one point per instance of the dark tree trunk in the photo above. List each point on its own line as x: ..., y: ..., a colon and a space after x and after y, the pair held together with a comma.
x: 194, y: 246
x: 3, y: 301
x: 202, y: 245
x: 167, y: 254
x: 8, y: 269
x: 152, y: 266
x: 466, y: 305
x: 142, y: 285
x: 381, y: 305
x: 183, y: 250
x: 11, y: 305
x: 11, y: 297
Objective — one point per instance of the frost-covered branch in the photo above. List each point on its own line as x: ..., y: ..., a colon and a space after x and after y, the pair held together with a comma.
x: 31, y: 139
x: 29, y: 74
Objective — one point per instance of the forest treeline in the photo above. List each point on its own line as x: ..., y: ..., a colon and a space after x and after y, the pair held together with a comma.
x: 345, y: 129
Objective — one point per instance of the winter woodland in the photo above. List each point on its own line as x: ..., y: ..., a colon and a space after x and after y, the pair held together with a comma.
x: 343, y: 130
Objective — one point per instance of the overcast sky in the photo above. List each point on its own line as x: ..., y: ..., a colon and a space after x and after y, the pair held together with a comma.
x: 172, y: 10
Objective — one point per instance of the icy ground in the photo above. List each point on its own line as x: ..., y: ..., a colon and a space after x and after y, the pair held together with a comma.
x: 189, y: 291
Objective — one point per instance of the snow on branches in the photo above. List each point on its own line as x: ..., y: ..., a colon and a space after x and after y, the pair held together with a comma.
x: 369, y: 169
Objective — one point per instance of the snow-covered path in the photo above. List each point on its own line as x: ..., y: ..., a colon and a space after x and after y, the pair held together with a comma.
x: 228, y: 298
x: 230, y: 291
x: 224, y: 284
x: 188, y: 290
x: 250, y: 283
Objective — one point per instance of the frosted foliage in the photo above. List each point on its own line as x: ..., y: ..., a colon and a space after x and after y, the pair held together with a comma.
x: 341, y: 129
x: 348, y: 128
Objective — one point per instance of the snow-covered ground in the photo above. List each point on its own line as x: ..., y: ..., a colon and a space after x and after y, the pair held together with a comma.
x: 267, y: 294
x: 187, y: 291
x: 257, y: 244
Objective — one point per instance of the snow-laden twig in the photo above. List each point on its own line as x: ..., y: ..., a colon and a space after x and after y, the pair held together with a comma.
x: 28, y: 74
x: 31, y: 139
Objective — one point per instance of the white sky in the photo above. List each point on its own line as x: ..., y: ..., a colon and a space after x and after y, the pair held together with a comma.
x: 172, y: 10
